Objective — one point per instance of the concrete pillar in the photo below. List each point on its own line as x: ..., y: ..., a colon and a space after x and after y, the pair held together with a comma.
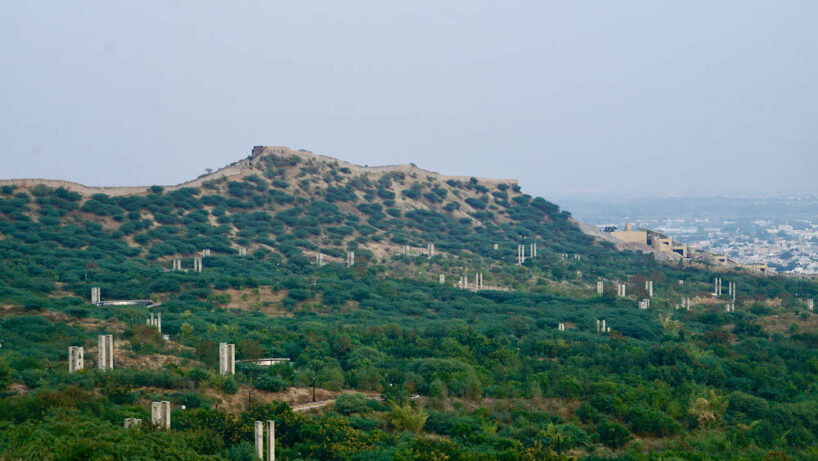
x: 442, y: 278
x: 156, y: 413
x: 206, y: 252
x: 597, y: 325
x: 600, y: 287
x: 350, y: 258
x: 96, y: 295
x: 76, y: 359
x: 532, y: 249
x: 105, y: 352
x: 260, y: 439
x: 496, y: 246
x: 406, y: 250
x: 520, y: 254
x: 430, y: 249
x: 242, y: 251
x: 621, y: 290
x: 227, y: 359
x: 649, y: 287
x: 810, y: 304
x: 603, y: 325
x: 165, y: 414
x: 271, y: 440
x: 197, y: 263
x: 132, y: 422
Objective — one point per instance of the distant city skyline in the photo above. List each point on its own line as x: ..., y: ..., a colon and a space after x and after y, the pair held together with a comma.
x: 612, y: 99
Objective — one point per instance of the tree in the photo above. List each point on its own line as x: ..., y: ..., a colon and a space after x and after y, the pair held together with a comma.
x: 405, y: 418
x: 613, y: 434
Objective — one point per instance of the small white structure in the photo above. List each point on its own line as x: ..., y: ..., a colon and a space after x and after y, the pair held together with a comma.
x: 266, y: 362
x: 600, y: 287
x: 430, y: 250
x: 442, y: 278
x: 350, y: 258
x: 197, y: 263
x: 160, y: 414
x: 76, y: 359
x: 242, y: 251
x: 270, y: 427
x: 96, y: 295
x: 105, y: 352
x: 644, y: 304
x: 561, y: 327
x: 478, y: 281
x: 155, y: 321
x: 620, y: 290
x: 520, y: 254
x: 227, y: 359
x: 649, y: 287
x: 131, y: 422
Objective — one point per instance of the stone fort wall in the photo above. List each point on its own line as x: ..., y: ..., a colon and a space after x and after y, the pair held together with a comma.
x: 241, y: 168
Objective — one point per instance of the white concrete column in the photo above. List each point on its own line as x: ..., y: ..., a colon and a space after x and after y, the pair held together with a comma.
x: 231, y: 355
x: 600, y: 287
x: 259, y: 439
x: 442, y: 278
x: 166, y: 414
x: 156, y: 413
x: 271, y: 440
x: 102, y: 360
x: 227, y: 359
x: 76, y: 359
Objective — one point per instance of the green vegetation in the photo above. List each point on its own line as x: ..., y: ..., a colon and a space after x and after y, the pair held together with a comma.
x: 459, y: 375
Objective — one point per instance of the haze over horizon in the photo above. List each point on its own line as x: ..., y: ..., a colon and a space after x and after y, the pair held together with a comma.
x: 631, y: 98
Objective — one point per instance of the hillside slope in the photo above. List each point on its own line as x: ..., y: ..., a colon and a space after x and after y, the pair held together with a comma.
x: 420, y: 365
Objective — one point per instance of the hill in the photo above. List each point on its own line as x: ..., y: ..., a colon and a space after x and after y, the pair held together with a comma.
x: 411, y: 361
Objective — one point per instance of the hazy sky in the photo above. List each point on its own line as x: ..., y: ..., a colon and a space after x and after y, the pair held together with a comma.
x: 625, y: 97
